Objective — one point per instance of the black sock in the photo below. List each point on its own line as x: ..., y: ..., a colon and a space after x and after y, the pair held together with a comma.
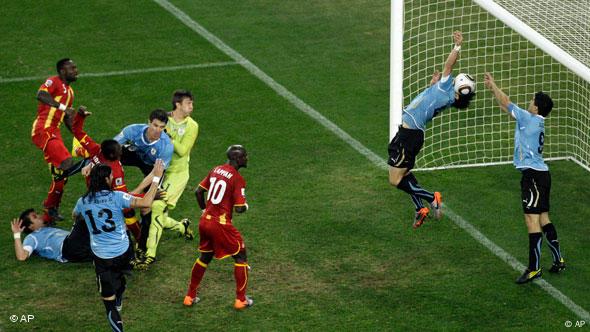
x: 146, y: 221
x: 535, y: 240
x: 119, y: 296
x: 409, y: 184
x: 552, y: 241
x: 113, y: 316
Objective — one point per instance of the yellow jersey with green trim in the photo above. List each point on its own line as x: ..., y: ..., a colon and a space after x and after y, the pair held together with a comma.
x: 184, y: 135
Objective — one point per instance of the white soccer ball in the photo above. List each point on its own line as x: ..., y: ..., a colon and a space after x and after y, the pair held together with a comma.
x: 464, y: 84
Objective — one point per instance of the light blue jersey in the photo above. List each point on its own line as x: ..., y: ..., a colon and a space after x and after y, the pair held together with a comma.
x: 429, y: 103
x: 46, y: 242
x: 529, y: 137
x: 104, y: 217
x: 135, y: 135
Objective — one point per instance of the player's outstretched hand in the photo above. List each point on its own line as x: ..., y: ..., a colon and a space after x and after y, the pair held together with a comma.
x: 86, y: 170
x: 161, y: 195
x: 158, y: 168
x: 458, y: 38
x: 17, y: 225
x: 488, y: 80
x: 435, y: 77
x: 83, y: 111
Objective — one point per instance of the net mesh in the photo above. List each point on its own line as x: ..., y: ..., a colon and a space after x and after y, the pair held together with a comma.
x: 482, y: 133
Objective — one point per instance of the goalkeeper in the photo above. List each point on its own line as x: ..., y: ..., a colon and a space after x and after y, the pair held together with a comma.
x: 443, y: 92
x: 183, y: 131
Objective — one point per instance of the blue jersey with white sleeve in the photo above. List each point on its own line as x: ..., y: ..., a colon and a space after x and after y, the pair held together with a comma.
x: 103, y: 214
x: 429, y: 103
x: 46, y: 242
x: 529, y: 138
x: 147, y: 151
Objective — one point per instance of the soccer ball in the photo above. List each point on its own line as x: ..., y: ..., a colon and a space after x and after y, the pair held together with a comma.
x: 464, y: 84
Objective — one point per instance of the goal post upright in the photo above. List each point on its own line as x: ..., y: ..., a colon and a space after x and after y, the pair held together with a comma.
x: 396, y: 66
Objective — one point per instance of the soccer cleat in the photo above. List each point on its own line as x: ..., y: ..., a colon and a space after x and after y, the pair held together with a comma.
x: 145, y: 264
x: 420, y: 217
x: 189, y: 301
x: 436, y: 205
x: 529, y: 275
x: 188, y: 232
x: 241, y: 305
x: 558, y: 266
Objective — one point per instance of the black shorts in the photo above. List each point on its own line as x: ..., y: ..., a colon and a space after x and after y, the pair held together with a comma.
x: 404, y: 148
x: 110, y: 273
x: 76, y: 246
x: 130, y: 157
x: 535, y: 187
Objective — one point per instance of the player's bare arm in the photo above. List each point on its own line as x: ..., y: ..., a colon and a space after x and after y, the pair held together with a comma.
x: 17, y: 228
x: 452, y: 58
x: 501, y: 97
x: 200, y: 195
x: 435, y: 77
x: 146, y: 201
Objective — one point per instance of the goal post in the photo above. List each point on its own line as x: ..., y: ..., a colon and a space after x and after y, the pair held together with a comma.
x: 526, y: 54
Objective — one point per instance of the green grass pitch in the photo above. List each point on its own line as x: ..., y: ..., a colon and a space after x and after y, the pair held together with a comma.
x: 330, y: 242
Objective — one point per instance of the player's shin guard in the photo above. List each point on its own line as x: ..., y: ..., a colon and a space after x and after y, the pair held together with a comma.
x: 241, y: 276
x: 552, y: 241
x: 197, y: 274
x: 535, y: 240
x: 113, y: 316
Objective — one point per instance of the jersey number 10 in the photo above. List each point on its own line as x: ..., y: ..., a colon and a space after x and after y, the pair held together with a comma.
x: 216, y: 190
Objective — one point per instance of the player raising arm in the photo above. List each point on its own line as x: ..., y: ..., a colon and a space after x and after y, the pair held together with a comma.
x: 535, y: 183
x: 102, y: 209
x: 443, y: 92
x: 225, y: 190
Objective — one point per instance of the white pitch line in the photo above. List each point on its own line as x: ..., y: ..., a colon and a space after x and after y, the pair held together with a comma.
x: 126, y: 72
x: 373, y: 157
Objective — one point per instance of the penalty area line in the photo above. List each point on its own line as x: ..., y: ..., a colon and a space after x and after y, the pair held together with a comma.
x: 359, y: 147
x: 127, y: 72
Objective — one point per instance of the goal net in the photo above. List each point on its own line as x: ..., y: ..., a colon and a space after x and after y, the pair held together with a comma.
x: 543, y: 45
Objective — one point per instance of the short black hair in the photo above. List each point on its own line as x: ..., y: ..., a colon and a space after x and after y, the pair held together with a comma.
x: 235, y: 151
x: 544, y: 103
x: 110, y: 149
x: 61, y: 63
x: 159, y: 114
x: 179, y: 95
x: 26, y: 219
x: 464, y: 100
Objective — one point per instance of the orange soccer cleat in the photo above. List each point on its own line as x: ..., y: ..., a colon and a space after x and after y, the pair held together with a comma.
x: 241, y: 305
x: 420, y: 217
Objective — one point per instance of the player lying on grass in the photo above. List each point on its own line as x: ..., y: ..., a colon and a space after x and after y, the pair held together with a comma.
x: 535, y: 182
x: 50, y: 242
x: 443, y: 92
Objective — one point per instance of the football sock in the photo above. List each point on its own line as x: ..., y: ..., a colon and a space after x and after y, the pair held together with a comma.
x: 132, y: 223
x: 54, y: 195
x: 113, y: 316
x: 417, y: 202
x: 552, y: 241
x: 535, y: 240
x: 146, y: 221
x: 119, y: 296
x: 409, y: 184
x: 197, y: 274
x: 241, y: 276
x: 74, y: 169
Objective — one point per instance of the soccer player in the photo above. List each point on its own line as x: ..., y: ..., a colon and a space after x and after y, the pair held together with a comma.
x: 50, y: 242
x: 108, y: 153
x: 102, y: 209
x: 183, y: 131
x: 142, y: 145
x: 55, y: 97
x: 225, y: 189
x: 404, y: 147
x: 535, y: 183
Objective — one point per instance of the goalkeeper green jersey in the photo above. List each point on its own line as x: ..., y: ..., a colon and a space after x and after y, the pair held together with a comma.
x: 184, y: 135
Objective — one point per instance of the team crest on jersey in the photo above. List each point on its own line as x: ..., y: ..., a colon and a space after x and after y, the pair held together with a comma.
x: 153, y: 151
x: 118, y: 181
x: 181, y: 131
x: 48, y: 83
x: 127, y: 196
